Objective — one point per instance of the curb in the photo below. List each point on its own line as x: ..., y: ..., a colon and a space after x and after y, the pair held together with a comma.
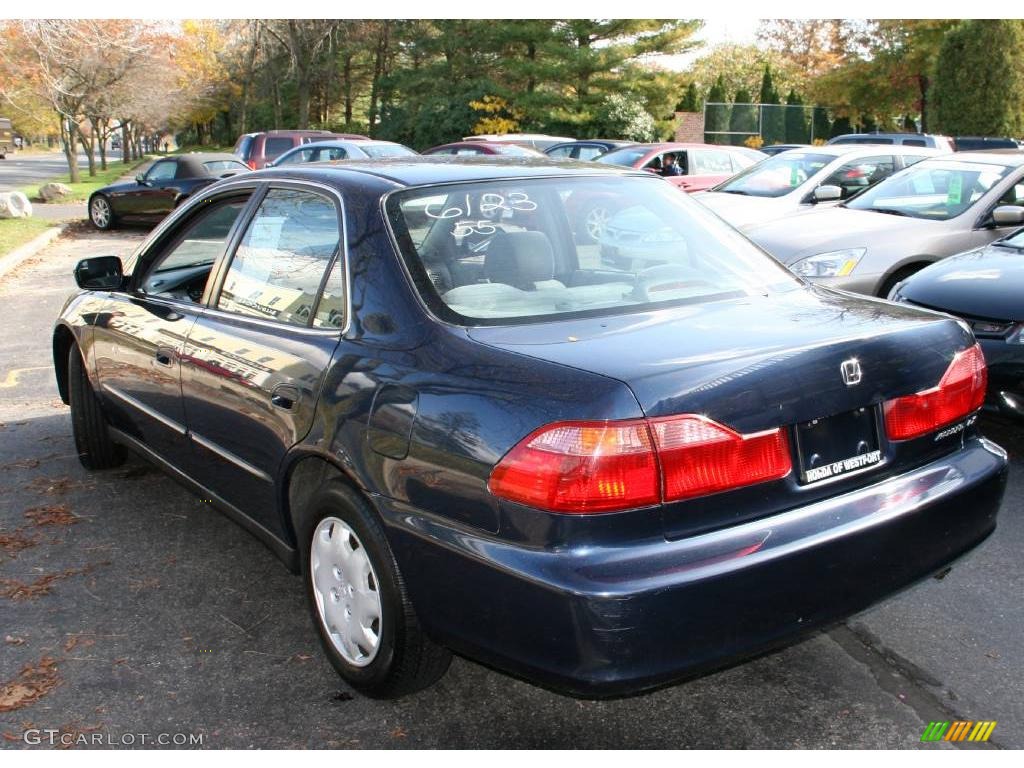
x: 29, y: 249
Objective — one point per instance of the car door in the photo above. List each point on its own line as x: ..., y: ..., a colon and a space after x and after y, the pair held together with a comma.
x: 253, y: 362
x: 140, y: 333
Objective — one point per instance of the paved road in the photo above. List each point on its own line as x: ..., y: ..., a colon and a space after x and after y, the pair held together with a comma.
x: 20, y: 170
x: 163, y: 616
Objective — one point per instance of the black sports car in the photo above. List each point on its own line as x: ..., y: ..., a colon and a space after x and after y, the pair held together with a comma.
x: 986, y: 288
x: 159, y: 190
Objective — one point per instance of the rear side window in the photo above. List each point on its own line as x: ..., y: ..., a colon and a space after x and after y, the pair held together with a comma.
x: 276, y: 146
x: 244, y: 147
x: 589, y: 152
x: 560, y: 152
x: 280, y: 264
x: 710, y: 161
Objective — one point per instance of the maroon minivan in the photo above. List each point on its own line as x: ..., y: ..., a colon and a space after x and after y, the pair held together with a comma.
x: 258, y: 149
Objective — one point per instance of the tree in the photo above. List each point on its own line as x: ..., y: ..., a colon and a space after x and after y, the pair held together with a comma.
x: 622, y: 117
x: 814, y: 46
x: 796, y: 120
x: 742, y: 66
x: 773, y: 123
x: 743, y: 120
x: 821, y: 129
x: 716, y: 113
x: 303, y: 39
x: 691, y: 101
x: 979, y: 79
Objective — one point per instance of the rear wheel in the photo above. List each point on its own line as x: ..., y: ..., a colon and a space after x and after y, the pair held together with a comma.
x: 358, y: 600
x: 96, y: 450
x: 101, y: 214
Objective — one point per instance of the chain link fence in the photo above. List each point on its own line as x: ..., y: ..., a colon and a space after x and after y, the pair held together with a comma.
x: 756, y: 125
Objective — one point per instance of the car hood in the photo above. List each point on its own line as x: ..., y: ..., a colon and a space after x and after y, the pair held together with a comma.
x: 743, y: 211
x: 988, y: 283
x: 830, y: 229
x: 752, y: 363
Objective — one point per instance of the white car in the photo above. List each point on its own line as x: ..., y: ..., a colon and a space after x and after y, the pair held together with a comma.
x: 800, y: 179
x: 337, y: 149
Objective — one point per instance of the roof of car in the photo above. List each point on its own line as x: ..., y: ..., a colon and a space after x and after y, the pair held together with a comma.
x: 837, y: 150
x: 421, y: 170
x: 1010, y: 158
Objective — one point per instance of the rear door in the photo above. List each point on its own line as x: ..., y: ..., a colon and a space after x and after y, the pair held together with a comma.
x: 253, y: 362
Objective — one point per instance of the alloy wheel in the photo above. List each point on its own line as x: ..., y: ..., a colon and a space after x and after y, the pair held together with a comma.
x: 99, y: 210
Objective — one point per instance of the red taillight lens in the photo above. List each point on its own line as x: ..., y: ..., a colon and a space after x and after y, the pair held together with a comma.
x: 252, y: 164
x: 585, y: 467
x: 581, y: 467
x: 960, y: 391
x: 699, y: 457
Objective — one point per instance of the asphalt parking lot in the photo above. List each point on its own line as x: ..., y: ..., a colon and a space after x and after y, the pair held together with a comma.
x: 128, y: 606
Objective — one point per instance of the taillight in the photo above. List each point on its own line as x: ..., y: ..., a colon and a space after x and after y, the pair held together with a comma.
x: 586, y: 467
x: 581, y: 467
x: 699, y: 457
x: 960, y: 391
x: 252, y: 164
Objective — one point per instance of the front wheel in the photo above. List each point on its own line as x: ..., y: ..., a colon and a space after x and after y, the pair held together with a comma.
x: 358, y: 600
x: 96, y: 449
x: 101, y: 214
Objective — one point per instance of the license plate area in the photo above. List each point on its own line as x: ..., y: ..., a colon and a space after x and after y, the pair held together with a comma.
x: 838, y: 445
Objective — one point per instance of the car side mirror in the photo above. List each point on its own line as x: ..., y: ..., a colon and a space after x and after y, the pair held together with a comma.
x: 141, y: 179
x: 269, y: 164
x: 827, y: 192
x: 1008, y: 215
x: 100, y: 273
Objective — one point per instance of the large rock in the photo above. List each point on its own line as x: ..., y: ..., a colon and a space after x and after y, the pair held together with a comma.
x: 53, y: 191
x: 14, y: 205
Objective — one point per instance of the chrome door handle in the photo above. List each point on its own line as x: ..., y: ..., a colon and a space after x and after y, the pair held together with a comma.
x: 164, y: 356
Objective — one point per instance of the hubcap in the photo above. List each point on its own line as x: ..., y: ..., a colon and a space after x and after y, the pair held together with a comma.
x: 597, y: 220
x: 346, y: 590
x: 100, y: 212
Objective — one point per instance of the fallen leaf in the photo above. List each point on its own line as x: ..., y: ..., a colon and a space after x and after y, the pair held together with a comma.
x: 398, y: 732
x: 16, y: 541
x: 54, y: 514
x: 12, y: 640
x: 74, y: 641
x: 33, y: 682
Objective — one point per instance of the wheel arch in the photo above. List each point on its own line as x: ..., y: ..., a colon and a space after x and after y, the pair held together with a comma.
x: 904, y: 269
x: 63, y: 340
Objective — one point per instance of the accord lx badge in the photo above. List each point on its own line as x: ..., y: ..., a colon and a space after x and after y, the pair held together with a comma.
x: 851, y: 371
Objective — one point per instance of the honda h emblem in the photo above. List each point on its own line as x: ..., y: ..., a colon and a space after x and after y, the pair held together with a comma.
x: 851, y: 371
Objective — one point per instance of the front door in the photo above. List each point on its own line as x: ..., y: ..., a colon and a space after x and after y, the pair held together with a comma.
x: 140, y: 334
x: 157, y: 196
x: 253, y: 363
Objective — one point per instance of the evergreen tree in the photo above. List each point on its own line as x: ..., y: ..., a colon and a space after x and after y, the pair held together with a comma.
x: 773, y: 122
x: 743, y: 119
x: 716, y: 116
x: 841, y: 126
x: 820, y: 123
x: 691, y: 100
x: 979, y: 80
x: 796, y: 121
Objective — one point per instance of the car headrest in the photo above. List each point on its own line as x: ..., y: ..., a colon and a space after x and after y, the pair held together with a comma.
x: 520, y: 259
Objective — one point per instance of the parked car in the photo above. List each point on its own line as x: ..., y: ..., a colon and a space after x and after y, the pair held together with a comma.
x: 586, y: 149
x: 699, y: 166
x: 774, y: 149
x: 985, y: 287
x: 476, y: 148
x: 978, y: 143
x: 6, y: 137
x: 319, y: 151
x: 538, y: 141
x: 161, y: 189
x: 800, y: 179
x: 909, y: 139
x: 935, y: 208
x: 466, y: 433
x: 258, y: 149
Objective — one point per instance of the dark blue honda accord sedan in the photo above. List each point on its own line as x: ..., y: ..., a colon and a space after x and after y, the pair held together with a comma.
x: 599, y: 459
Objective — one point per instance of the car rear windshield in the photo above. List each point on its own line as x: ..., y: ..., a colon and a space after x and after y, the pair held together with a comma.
x: 502, y: 252
x: 386, y: 150
x: 217, y: 167
x: 243, y: 147
x: 628, y: 157
x: 777, y: 175
x: 931, y: 189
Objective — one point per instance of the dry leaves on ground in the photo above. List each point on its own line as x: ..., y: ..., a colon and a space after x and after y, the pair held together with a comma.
x: 54, y: 514
x: 56, y: 486
x: 17, y: 540
x: 13, y: 589
x: 32, y: 683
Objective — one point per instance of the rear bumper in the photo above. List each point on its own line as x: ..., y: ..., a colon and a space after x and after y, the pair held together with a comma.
x: 605, y: 621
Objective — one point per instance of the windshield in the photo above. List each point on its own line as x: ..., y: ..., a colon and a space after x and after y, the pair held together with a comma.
x: 386, y: 150
x: 776, y: 176
x: 628, y: 156
x: 516, y: 251
x: 931, y: 189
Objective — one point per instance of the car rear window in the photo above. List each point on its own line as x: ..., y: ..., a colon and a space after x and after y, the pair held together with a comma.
x: 276, y: 146
x: 243, y: 148
x: 520, y: 251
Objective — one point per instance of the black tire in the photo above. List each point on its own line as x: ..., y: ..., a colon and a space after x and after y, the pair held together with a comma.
x: 96, y: 450
x: 897, y: 276
x: 96, y: 205
x: 406, y: 660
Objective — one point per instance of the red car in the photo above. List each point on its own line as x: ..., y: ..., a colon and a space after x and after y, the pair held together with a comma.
x: 474, y: 148
x: 258, y: 149
x: 696, y: 167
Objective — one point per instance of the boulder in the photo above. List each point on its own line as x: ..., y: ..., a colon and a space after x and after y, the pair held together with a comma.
x: 14, y: 205
x: 53, y: 191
